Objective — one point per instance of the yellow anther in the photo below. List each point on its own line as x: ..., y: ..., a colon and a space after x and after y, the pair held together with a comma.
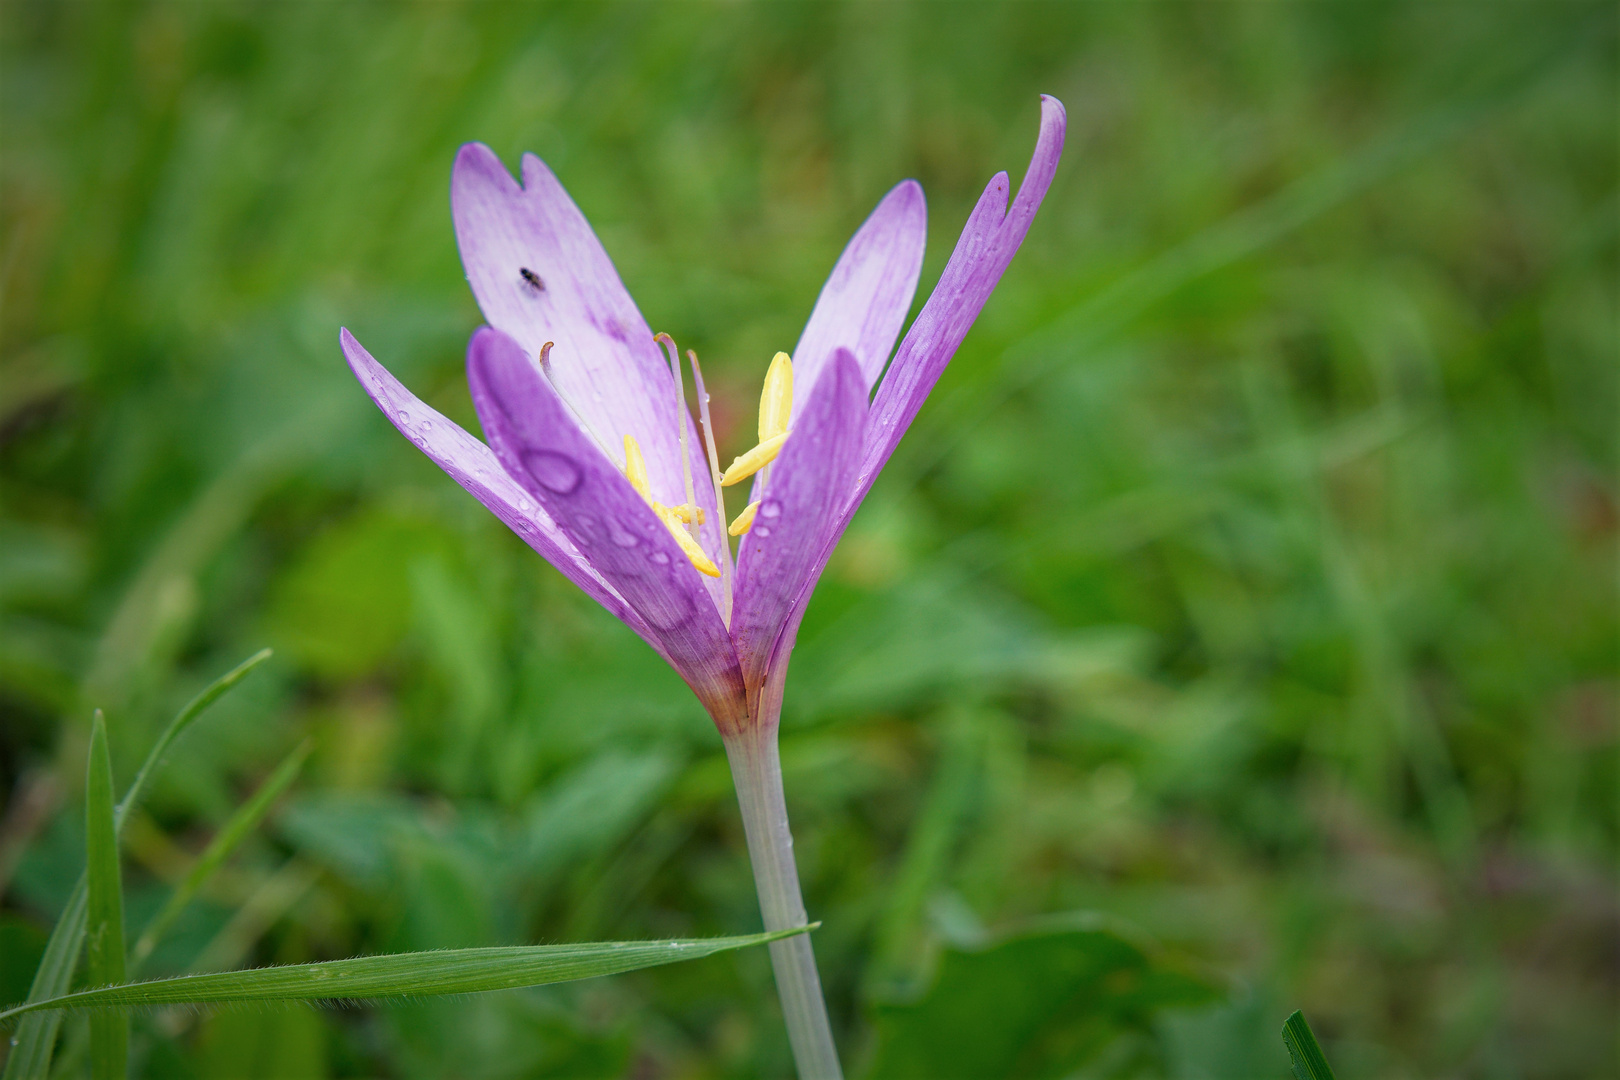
x: 776, y: 400
x: 635, y: 467
x: 688, y: 513
x: 745, y: 520
x: 668, y: 515
x: 754, y: 460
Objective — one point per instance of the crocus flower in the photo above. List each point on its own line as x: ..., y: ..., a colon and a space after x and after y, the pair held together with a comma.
x: 593, y: 457
x: 554, y: 467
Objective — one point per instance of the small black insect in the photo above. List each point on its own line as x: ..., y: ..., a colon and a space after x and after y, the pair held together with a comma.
x: 532, y: 278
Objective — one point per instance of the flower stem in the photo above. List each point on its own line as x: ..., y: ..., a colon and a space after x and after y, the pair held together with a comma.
x: 756, y: 769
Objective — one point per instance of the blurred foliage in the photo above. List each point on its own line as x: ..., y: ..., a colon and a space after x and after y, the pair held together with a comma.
x: 1249, y: 581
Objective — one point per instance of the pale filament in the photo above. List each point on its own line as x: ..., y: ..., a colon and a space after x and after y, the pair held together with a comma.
x: 714, y: 475
x: 775, y: 409
x: 680, y: 417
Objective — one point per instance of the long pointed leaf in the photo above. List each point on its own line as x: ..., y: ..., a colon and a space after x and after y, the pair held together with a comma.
x: 36, y: 1037
x: 1305, y: 1054
x: 446, y: 971
x: 104, y: 936
x: 30, y: 1057
x: 238, y: 828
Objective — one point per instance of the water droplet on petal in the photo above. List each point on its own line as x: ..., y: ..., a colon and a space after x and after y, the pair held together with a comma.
x: 554, y: 471
x: 624, y: 538
x: 660, y: 558
x: 761, y: 530
x: 770, y: 508
x: 427, y: 425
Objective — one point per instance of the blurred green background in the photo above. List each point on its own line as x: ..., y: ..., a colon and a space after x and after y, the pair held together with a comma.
x: 1246, y: 587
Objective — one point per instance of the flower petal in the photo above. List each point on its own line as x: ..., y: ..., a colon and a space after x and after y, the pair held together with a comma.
x: 543, y: 448
x: 799, y: 508
x: 989, y: 240
x: 472, y: 465
x: 864, y: 303
x: 605, y: 362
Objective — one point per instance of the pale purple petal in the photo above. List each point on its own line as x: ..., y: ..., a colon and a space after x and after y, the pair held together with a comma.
x: 799, y: 509
x: 542, y: 447
x: 988, y: 242
x: 604, y: 362
x: 472, y: 465
x: 864, y: 303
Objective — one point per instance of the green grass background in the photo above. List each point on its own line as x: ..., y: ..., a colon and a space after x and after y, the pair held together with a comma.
x: 1248, y: 583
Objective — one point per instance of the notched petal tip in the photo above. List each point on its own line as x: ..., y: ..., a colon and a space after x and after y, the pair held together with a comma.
x: 475, y: 161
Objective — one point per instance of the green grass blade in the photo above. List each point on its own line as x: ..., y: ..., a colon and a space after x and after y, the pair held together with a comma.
x: 30, y: 1057
x: 104, y: 935
x: 183, y: 720
x: 1303, y: 1050
x: 238, y: 828
x: 420, y: 974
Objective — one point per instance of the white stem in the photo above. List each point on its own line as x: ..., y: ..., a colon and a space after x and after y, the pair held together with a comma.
x: 756, y: 769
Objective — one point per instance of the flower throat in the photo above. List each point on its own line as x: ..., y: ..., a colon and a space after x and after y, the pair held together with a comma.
x: 775, y: 410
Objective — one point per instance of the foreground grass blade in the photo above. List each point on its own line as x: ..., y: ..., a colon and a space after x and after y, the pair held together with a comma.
x: 104, y: 937
x: 30, y: 1057
x: 1303, y: 1051
x: 238, y: 828
x: 31, y: 1051
x: 446, y: 971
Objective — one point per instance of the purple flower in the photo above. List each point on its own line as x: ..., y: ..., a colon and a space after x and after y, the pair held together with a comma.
x: 595, y: 461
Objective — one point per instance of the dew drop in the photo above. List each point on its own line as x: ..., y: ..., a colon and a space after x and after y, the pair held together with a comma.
x: 552, y: 470
x: 587, y: 528
x: 660, y: 558
x: 624, y: 538
x: 761, y: 530
x: 770, y: 508
x: 427, y: 425
x: 404, y: 416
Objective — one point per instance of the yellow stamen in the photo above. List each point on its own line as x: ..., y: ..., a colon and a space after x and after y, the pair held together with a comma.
x: 776, y: 400
x: 689, y: 546
x: 687, y: 513
x: 635, y: 467
x: 745, y: 520
x: 754, y: 460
